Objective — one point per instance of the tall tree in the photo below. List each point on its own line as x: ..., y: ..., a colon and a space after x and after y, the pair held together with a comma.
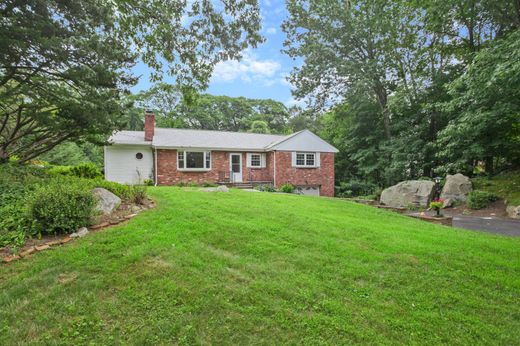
x: 64, y: 64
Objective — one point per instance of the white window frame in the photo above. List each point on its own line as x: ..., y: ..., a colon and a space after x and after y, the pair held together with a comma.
x: 250, y: 160
x: 207, y: 157
x: 305, y: 155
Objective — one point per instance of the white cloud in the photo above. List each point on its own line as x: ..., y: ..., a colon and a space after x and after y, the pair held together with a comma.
x: 270, y: 31
x: 249, y: 69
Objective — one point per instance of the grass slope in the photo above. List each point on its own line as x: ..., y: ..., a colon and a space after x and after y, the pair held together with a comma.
x: 260, y: 268
x: 506, y: 186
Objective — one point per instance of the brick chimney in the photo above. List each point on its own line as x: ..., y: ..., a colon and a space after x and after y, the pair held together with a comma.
x: 149, y: 125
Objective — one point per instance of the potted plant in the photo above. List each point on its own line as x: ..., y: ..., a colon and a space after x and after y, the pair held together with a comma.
x: 436, y: 205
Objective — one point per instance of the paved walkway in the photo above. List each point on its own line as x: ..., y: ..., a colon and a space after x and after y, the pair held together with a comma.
x: 488, y: 224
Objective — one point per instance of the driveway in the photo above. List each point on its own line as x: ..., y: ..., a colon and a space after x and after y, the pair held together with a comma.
x: 488, y: 224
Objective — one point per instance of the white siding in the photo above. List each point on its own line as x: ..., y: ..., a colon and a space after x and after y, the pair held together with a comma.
x: 305, y: 141
x: 122, y: 166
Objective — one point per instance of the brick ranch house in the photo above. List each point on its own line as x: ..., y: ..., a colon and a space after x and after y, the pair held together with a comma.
x: 174, y: 156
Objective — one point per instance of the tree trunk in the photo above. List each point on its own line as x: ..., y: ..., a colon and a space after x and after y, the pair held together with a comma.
x: 488, y: 165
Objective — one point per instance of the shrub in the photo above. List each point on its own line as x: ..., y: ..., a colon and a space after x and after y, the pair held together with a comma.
x: 61, y: 206
x: 148, y: 182
x: 265, y: 188
x: 480, y: 199
x: 83, y: 170
x: 355, y: 188
x: 287, y: 188
x: 138, y: 194
x: 86, y: 170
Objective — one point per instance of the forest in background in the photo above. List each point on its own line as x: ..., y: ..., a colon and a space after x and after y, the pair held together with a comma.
x: 404, y: 89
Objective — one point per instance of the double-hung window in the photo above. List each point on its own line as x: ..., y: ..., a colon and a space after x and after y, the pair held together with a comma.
x: 194, y: 160
x: 305, y: 160
x: 256, y: 160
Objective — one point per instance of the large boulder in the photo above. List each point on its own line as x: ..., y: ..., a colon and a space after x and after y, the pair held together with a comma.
x: 513, y: 211
x: 411, y: 192
x: 107, y: 202
x: 456, y: 189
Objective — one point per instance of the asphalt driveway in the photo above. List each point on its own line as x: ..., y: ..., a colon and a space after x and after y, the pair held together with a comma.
x: 488, y: 224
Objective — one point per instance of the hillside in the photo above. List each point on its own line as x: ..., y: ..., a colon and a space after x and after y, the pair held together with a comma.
x: 261, y: 268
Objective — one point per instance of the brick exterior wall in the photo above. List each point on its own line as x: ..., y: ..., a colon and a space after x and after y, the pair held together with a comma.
x: 167, y: 173
x: 322, y: 176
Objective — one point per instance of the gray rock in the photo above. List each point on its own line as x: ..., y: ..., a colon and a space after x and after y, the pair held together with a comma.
x: 107, y: 202
x: 223, y: 188
x: 513, y: 211
x: 83, y: 231
x: 410, y: 192
x: 456, y: 188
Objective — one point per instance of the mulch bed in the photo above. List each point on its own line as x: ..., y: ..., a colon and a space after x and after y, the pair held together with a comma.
x: 124, y: 213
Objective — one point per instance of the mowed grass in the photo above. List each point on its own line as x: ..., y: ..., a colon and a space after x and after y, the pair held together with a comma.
x: 261, y: 268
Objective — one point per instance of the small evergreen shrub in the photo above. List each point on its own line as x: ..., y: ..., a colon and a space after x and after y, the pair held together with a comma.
x: 287, y: 188
x: 480, y: 199
x: 61, y: 206
x: 138, y: 194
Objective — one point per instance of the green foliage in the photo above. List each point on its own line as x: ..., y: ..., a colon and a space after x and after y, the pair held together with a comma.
x: 265, y: 188
x: 71, y: 154
x: 83, y: 170
x: 86, y: 170
x: 148, y: 182
x: 505, y: 185
x: 208, y: 112
x: 32, y: 201
x: 61, y: 206
x: 355, y: 188
x: 67, y: 67
x: 287, y: 188
x: 480, y: 199
x: 416, y: 88
x: 436, y: 204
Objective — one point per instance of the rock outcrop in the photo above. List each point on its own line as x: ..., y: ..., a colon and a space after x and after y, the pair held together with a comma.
x: 107, y: 202
x: 411, y: 192
x: 456, y: 189
x: 513, y: 211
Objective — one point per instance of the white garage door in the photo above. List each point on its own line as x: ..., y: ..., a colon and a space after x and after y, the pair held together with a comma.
x: 128, y: 164
x: 308, y: 190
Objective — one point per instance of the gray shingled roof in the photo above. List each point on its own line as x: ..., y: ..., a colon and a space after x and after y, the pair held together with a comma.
x: 128, y: 137
x: 187, y: 138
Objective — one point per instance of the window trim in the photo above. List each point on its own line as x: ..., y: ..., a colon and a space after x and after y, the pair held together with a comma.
x: 305, y: 154
x: 250, y: 160
x: 207, y: 157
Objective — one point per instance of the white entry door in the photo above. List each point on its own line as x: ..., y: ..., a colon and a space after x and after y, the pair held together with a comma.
x: 235, y: 163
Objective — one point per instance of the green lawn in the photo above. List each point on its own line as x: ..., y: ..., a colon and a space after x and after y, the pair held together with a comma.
x: 261, y: 268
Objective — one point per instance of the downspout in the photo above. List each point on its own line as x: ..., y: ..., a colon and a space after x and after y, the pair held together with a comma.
x: 274, y: 174
x: 155, y: 165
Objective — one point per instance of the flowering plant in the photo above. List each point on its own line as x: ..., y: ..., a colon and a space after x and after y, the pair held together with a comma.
x: 436, y: 205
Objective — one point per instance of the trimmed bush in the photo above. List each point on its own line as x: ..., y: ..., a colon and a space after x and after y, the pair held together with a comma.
x: 265, y: 188
x: 61, y: 206
x: 84, y: 170
x: 287, y: 188
x: 480, y: 199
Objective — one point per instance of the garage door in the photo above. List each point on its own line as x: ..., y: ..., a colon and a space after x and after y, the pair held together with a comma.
x: 308, y: 190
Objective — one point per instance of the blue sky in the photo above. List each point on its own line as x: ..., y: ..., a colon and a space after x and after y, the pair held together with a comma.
x: 261, y: 72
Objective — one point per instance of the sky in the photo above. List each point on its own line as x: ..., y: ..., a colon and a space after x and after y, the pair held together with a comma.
x: 262, y: 71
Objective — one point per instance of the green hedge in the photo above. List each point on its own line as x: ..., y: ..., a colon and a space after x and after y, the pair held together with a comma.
x: 480, y: 199
x: 60, y: 206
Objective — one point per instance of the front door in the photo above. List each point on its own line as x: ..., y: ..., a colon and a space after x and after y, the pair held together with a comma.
x: 236, y: 168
